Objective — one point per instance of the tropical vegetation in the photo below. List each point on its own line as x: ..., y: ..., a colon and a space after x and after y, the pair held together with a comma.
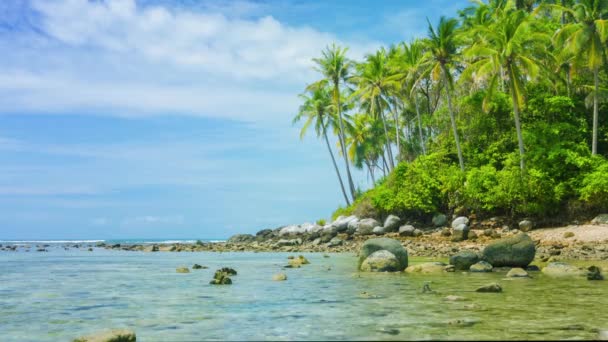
x: 499, y: 110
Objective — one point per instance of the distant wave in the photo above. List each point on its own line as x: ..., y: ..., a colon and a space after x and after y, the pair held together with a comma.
x: 50, y: 241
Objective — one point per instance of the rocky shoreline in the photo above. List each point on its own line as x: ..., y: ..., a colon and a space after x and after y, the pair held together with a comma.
x: 347, y: 234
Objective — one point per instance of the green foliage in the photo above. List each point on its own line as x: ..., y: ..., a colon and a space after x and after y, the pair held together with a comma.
x: 594, y: 185
x: 321, y: 222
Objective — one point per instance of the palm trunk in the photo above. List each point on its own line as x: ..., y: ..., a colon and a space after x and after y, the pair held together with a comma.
x: 452, y: 118
x: 342, y: 145
x: 384, y: 165
x: 371, y: 173
x: 595, y: 110
x: 396, y: 116
x: 520, y: 139
x: 387, y: 141
x: 333, y: 160
x: 419, y: 125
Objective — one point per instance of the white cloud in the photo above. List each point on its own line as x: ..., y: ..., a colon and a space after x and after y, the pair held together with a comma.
x: 119, y: 58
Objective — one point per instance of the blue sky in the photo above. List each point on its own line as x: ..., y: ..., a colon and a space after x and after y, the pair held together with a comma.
x: 172, y: 119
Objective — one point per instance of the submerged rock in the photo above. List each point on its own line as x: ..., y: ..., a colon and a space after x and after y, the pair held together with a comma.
x: 463, y: 260
x: 517, y: 251
x: 453, y: 298
x: 279, y: 277
x: 372, y: 245
x: 182, y: 270
x: 198, y: 267
x: 118, y: 335
x: 563, y: 270
x: 517, y: 272
x: 426, y: 268
x: 493, y: 288
x: 380, y: 261
x: 299, y: 261
x: 481, y: 266
x: 221, y: 277
x: 594, y: 273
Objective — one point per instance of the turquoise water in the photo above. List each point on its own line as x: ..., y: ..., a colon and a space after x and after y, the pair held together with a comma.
x: 59, y: 295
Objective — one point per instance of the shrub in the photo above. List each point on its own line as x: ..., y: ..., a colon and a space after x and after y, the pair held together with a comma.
x: 594, y: 185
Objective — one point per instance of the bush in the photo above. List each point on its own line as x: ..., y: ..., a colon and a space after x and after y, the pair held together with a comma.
x: 321, y: 222
x: 594, y: 185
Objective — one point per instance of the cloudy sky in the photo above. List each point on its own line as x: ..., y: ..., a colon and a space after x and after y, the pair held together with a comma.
x: 172, y: 118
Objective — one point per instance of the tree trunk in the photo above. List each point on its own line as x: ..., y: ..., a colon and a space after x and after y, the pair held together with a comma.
x: 371, y: 173
x: 520, y: 139
x: 342, y: 144
x: 419, y: 125
x: 387, y: 141
x: 452, y: 118
x: 384, y: 165
x: 595, y: 110
x: 333, y: 160
x: 396, y: 116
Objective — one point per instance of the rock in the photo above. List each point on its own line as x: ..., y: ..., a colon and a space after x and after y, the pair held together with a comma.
x: 198, y: 267
x: 466, y: 322
x: 372, y: 245
x: 516, y: 251
x: 118, y: 335
x: 568, y: 235
x: 264, y: 234
x: 532, y: 268
x: 517, y: 272
x: 227, y: 270
x: 366, y: 226
x: 426, y: 268
x: 418, y: 232
x: 600, y: 219
x: 279, y: 277
x: 182, y: 270
x: 453, y: 298
x: 292, y: 242
x: 446, y: 231
x: 341, y: 223
x: 406, y: 230
x: 488, y: 232
x: 526, y: 225
x: 240, y: 238
x: 481, y: 266
x: 297, y: 262
x: 460, y: 232
x: 460, y: 220
x: 380, y: 261
x: 494, y: 288
x: 221, y: 277
x: 462, y: 261
x: 602, y: 335
x: 334, y: 242
x: 439, y: 220
x: 563, y: 270
x: 378, y: 230
x: 594, y: 273
x: 391, y: 224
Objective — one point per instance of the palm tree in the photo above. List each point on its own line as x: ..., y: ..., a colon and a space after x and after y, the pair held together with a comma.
x: 511, y: 45
x: 442, y: 50
x: 335, y: 68
x: 316, y: 110
x: 585, y: 37
x: 373, y: 87
x: 365, y: 143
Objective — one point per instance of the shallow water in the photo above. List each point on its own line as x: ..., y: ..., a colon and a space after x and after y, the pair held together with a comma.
x: 60, y: 295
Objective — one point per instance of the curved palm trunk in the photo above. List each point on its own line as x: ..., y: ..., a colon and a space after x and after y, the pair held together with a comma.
x: 333, y: 160
x: 370, y: 168
x: 386, y: 142
x: 419, y: 125
x: 520, y: 139
x: 396, y: 118
x: 342, y: 145
x: 595, y: 111
x: 453, y: 119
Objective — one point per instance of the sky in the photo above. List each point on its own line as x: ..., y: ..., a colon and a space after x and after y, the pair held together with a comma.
x: 173, y: 119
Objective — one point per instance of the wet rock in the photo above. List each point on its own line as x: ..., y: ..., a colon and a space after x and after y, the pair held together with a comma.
x: 526, y: 225
x: 406, y: 230
x: 493, y: 288
x: 426, y: 268
x: 460, y: 220
x: 563, y: 270
x: 380, y: 261
x: 600, y: 219
x: 391, y: 224
x: 439, y: 220
x: 279, y: 277
x: 198, y: 267
x: 464, y: 260
x: 182, y: 270
x: 517, y: 272
x: 594, y: 273
x: 378, y: 230
x: 228, y: 271
x: 460, y: 232
x: 335, y: 242
x: 516, y: 251
x: 222, y: 276
x: 453, y: 298
x: 481, y: 266
x: 299, y: 261
x: 372, y: 245
x: 118, y: 335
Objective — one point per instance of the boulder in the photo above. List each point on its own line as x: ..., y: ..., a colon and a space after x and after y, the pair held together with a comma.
x: 391, y: 224
x: 291, y: 230
x: 198, y: 267
x: 439, y: 220
x: 526, y: 225
x: 600, y: 219
x: 563, y: 270
x: 372, y: 245
x: 366, y: 226
x: 222, y: 276
x: 462, y: 261
x: 292, y: 242
x: 517, y: 272
x: 493, y: 288
x: 516, y: 251
x: 341, y: 223
x: 594, y: 273
x: 378, y: 230
x: 380, y: 261
x: 240, y: 238
x: 481, y: 266
x: 264, y: 234
x: 118, y: 335
x: 406, y: 230
x: 418, y: 232
x: 460, y: 233
x: 426, y: 268
x: 460, y: 220
x: 279, y: 277
x: 299, y: 261
x: 334, y: 242
x: 352, y: 227
x: 182, y: 270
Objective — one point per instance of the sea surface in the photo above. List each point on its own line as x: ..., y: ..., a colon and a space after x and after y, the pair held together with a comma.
x: 62, y: 294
